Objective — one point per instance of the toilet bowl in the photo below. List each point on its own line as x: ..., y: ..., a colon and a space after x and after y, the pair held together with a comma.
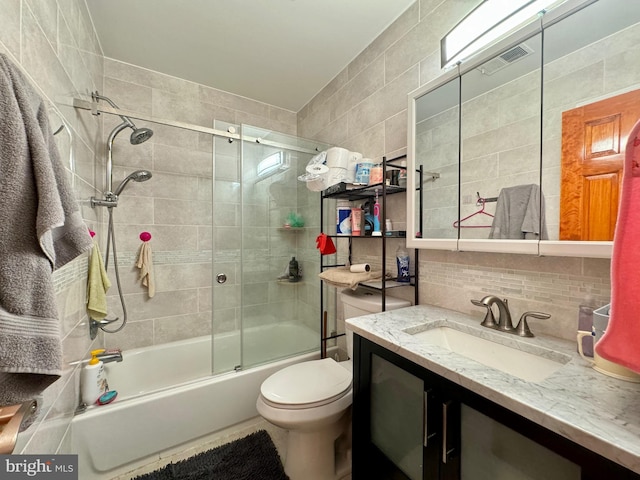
x: 312, y: 400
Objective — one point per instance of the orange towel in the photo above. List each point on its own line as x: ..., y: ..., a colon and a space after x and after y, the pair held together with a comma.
x: 622, y: 337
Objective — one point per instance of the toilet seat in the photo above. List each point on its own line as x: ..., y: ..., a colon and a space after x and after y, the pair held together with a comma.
x: 306, y: 385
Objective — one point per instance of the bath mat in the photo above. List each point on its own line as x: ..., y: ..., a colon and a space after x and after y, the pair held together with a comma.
x: 250, y: 458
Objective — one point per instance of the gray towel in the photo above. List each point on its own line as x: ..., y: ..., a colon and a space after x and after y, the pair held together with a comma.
x: 520, y: 214
x: 41, y: 229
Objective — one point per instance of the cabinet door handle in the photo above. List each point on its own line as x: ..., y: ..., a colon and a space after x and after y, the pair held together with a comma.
x: 446, y: 435
x: 426, y: 433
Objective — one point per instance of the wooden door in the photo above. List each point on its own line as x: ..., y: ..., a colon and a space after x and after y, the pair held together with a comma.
x: 593, y: 141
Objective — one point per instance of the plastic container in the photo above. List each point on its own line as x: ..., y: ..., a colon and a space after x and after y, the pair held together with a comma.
x: 402, y: 260
x: 343, y: 218
x: 375, y: 174
x: 294, y: 273
x: 357, y: 218
x: 93, y: 381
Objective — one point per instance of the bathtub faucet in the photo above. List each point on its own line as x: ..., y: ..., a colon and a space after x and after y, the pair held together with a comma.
x: 111, y: 355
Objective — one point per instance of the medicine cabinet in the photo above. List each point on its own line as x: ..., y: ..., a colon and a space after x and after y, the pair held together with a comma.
x: 542, y: 118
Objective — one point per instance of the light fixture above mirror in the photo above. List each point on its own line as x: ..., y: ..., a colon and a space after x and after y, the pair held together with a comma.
x: 487, y: 23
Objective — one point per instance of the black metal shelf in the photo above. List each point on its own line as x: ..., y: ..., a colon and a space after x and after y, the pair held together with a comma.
x: 340, y: 191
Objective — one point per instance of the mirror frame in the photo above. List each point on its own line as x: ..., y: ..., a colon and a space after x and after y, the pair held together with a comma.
x: 595, y: 249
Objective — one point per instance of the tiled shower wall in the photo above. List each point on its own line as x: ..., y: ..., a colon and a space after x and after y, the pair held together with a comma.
x: 175, y: 206
x: 364, y: 109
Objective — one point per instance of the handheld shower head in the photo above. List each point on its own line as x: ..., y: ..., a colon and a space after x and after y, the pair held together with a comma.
x: 137, y: 176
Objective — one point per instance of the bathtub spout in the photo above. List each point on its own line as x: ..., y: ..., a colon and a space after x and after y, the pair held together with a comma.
x: 111, y: 355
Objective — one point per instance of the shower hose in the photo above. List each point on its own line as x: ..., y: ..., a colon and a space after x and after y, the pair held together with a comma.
x: 111, y: 238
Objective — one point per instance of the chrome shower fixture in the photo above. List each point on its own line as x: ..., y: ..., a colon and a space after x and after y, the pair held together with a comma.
x: 137, y: 176
x: 139, y: 135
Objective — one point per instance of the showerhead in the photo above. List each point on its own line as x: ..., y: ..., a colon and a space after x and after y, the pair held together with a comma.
x: 137, y: 176
x: 140, y: 135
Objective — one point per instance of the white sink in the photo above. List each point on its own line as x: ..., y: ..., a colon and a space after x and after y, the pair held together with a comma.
x: 511, y: 360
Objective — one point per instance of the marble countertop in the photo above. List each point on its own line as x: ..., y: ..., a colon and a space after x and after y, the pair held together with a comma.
x: 594, y: 410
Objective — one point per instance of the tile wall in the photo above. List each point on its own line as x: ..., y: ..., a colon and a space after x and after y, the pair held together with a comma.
x: 364, y: 108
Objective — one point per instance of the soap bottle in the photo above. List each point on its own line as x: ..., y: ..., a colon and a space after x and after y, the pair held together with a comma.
x: 294, y: 275
x: 402, y: 260
x: 93, y: 381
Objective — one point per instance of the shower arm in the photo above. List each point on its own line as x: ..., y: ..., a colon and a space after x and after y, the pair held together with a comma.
x: 109, y: 167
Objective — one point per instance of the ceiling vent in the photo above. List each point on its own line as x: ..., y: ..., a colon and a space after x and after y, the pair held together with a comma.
x: 507, y: 58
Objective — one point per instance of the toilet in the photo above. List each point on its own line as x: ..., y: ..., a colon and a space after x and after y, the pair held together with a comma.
x: 312, y: 401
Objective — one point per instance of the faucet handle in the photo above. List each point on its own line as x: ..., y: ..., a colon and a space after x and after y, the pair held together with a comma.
x: 523, y: 327
x: 489, y: 319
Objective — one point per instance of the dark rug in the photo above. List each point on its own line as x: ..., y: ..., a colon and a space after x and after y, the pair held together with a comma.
x: 250, y: 458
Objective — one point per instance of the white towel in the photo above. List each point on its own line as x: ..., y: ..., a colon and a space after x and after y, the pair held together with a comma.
x: 145, y: 264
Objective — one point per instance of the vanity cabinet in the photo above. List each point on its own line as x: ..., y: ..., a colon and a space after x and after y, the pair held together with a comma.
x: 410, y: 423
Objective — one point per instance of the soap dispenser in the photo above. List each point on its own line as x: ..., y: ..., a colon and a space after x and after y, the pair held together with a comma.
x: 93, y: 381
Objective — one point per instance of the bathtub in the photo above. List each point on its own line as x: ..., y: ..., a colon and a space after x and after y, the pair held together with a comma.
x: 167, y: 397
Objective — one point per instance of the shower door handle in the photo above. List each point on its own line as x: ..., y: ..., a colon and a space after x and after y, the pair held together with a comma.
x: 221, y: 278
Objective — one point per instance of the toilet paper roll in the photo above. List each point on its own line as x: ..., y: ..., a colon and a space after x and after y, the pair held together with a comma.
x: 360, y: 268
x: 354, y: 159
x: 318, y: 169
x: 317, y: 184
x: 337, y: 157
x: 336, y: 175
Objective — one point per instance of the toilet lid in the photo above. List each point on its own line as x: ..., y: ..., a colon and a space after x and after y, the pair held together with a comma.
x: 307, y: 383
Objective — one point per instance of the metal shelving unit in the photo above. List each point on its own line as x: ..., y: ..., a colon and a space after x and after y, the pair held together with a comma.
x: 368, y: 192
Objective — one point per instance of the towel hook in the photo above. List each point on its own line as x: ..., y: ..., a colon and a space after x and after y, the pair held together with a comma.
x: 145, y: 236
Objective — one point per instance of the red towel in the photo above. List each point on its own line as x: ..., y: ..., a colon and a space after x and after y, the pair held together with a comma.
x: 621, y: 341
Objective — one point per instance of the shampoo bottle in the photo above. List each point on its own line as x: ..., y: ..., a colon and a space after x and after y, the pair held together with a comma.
x: 93, y: 381
x: 402, y: 259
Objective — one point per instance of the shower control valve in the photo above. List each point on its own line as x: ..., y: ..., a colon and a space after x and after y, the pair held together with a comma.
x: 221, y: 278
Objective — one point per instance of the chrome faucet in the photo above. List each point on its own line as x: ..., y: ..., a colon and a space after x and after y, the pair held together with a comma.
x: 111, y: 355
x: 504, y: 316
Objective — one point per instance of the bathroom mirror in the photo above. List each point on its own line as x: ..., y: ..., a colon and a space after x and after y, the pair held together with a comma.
x: 436, y: 147
x: 500, y: 150
x: 511, y: 105
x: 591, y: 100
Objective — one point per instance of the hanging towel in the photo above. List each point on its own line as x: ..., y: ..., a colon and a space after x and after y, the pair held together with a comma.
x: 620, y: 341
x: 41, y: 229
x: 145, y: 264
x: 98, y: 284
x: 520, y: 214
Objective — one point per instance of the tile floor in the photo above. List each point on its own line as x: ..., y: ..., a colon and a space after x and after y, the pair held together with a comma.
x: 278, y: 435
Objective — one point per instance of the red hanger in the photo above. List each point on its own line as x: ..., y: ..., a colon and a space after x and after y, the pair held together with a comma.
x: 482, y: 203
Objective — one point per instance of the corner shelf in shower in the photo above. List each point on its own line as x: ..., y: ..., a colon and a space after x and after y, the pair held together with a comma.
x: 367, y: 192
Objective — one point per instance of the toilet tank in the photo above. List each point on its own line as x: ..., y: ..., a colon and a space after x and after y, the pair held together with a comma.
x: 363, y: 302
x: 356, y: 303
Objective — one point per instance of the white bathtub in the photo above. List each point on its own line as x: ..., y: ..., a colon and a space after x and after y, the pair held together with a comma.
x: 167, y: 397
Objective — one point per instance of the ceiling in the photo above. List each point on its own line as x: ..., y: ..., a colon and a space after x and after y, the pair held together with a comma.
x: 281, y: 52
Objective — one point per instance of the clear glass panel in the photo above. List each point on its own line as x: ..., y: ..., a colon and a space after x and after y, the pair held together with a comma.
x: 490, y: 450
x: 226, y: 236
x: 437, y: 152
x: 591, y: 101
x: 280, y: 318
x: 500, y: 145
x: 396, y: 410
